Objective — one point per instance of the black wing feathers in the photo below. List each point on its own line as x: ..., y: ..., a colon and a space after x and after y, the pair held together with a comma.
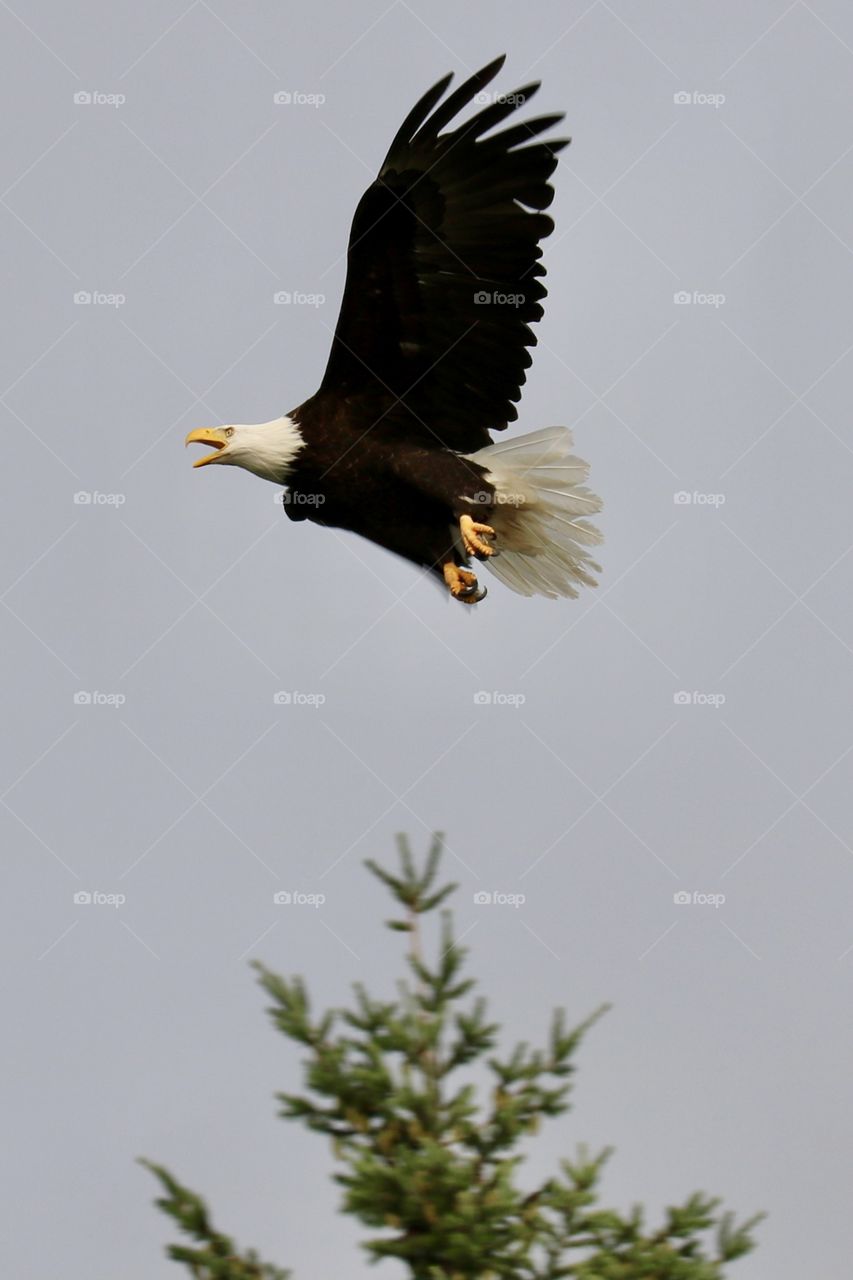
x: 443, y: 277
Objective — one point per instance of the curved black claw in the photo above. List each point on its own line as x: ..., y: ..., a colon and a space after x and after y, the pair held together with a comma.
x: 473, y: 594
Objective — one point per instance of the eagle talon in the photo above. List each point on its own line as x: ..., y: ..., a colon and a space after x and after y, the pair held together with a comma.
x: 463, y: 584
x: 474, y: 544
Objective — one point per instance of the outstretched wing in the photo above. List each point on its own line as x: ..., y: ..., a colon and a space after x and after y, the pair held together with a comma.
x: 443, y: 276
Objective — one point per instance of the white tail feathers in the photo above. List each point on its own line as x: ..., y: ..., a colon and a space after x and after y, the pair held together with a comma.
x: 541, y: 534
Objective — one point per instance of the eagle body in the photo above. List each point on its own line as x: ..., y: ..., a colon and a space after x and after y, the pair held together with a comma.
x: 398, y: 492
x: 430, y: 353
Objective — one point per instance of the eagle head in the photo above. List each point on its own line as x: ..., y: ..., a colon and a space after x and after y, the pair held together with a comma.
x: 267, y: 449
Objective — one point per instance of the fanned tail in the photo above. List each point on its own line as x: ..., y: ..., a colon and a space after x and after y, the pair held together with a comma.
x: 540, y: 514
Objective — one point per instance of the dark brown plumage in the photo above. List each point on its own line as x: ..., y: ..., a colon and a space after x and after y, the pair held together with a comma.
x: 452, y: 217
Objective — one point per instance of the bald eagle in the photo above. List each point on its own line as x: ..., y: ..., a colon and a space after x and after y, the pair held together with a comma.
x: 429, y: 356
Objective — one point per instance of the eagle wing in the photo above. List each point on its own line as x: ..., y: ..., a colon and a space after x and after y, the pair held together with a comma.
x: 443, y: 276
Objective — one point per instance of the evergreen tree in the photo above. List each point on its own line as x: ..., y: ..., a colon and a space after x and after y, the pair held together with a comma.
x: 429, y: 1163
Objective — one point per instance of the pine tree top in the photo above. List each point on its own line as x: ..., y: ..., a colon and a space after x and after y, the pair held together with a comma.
x: 429, y: 1162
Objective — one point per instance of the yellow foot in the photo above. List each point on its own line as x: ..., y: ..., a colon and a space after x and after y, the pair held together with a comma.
x: 463, y: 584
x: 474, y: 544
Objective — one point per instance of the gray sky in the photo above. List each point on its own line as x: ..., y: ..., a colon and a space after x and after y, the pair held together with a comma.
x: 181, y: 197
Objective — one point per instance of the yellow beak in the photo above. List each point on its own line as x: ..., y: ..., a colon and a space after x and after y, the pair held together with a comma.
x: 208, y: 435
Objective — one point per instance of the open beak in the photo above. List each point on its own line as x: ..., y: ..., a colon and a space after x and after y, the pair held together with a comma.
x: 208, y: 435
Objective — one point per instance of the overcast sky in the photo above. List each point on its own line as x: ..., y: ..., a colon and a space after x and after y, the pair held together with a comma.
x: 148, y: 627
